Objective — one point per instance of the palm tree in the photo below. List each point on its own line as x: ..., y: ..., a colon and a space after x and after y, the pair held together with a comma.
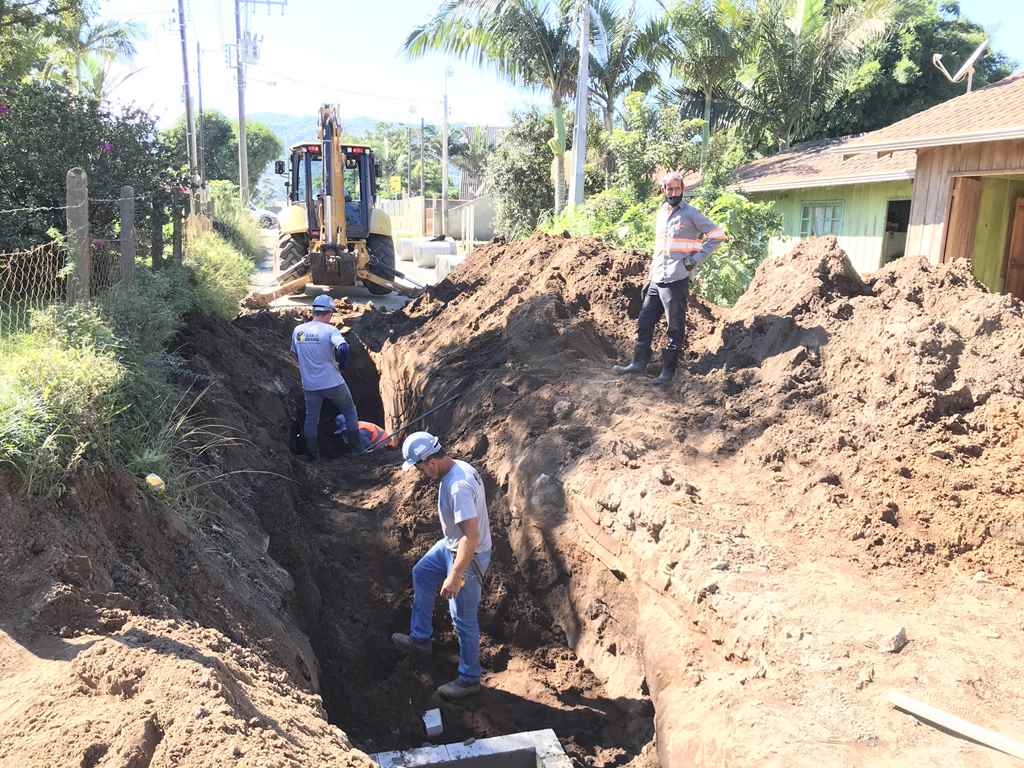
x: 529, y: 42
x: 709, y: 48
x: 625, y: 55
x: 471, y: 148
x: 801, y: 54
x: 79, y: 38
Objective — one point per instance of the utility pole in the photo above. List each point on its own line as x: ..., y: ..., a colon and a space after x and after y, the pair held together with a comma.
x: 190, y: 126
x: 243, y: 150
x: 423, y: 168
x: 201, y: 127
x: 579, y: 140
x: 444, y: 157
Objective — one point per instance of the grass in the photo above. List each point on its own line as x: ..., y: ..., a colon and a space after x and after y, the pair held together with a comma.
x: 233, y: 222
x: 90, y: 386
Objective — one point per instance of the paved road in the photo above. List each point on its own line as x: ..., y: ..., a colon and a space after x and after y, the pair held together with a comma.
x: 357, y: 294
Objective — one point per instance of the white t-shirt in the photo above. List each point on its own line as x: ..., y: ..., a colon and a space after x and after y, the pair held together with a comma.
x: 461, y: 497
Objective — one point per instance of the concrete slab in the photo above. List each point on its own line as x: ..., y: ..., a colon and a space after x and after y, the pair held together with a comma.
x: 531, y: 749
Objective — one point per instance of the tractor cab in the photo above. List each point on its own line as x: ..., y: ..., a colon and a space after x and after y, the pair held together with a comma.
x: 306, y: 191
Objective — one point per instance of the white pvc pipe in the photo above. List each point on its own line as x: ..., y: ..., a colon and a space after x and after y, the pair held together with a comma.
x: 957, y: 725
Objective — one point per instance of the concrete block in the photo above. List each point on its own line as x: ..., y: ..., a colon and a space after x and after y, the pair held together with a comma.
x: 432, y: 722
x: 404, y: 248
x: 425, y: 253
x: 447, y: 263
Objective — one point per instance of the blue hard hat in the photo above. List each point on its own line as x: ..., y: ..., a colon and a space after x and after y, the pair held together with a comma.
x: 323, y: 303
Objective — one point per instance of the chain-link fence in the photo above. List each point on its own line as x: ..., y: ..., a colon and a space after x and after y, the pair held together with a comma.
x: 82, y: 268
x: 30, y: 280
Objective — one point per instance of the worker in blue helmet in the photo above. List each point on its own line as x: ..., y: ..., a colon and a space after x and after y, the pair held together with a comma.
x: 322, y: 353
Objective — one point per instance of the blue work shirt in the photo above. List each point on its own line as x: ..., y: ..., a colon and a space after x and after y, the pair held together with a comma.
x: 313, y: 344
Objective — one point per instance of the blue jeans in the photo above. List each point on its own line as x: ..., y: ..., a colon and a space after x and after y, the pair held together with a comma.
x: 427, y: 577
x: 667, y: 299
x: 342, y: 400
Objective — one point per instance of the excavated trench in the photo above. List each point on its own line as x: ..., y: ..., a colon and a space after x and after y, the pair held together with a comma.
x: 364, y: 524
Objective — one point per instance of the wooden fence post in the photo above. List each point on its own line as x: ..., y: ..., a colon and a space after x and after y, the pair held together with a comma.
x: 128, y: 245
x: 176, y: 246
x: 78, y: 235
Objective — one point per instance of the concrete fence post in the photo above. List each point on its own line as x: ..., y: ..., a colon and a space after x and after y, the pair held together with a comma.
x: 128, y: 244
x: 78, y: 235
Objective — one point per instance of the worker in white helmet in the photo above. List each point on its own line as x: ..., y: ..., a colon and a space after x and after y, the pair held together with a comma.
x: 455, y: 566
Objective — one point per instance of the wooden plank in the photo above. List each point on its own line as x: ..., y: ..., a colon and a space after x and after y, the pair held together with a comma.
x: 1015, y: 253
x: 958, y: 725
x: 963, y: 218
x: 127, y: 239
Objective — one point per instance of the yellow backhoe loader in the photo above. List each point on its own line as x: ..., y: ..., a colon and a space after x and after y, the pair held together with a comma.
x: 331, y: 233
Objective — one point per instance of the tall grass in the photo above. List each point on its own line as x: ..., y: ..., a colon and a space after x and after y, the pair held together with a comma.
x: 233, y: 222
x: 94, y: 385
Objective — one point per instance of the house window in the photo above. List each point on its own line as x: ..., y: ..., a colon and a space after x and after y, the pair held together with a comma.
x: 821, y: 219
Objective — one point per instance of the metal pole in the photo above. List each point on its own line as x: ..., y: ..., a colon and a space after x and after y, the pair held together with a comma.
x: 408, y: 161
x: 201, y: 127
x: 423, y: 185
x: 190, y: 126
x: 444, y: 161
x: 579, y: 141
x: 243, y: 152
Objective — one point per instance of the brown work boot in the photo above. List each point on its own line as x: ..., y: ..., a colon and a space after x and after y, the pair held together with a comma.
x: 403, y: 642
x: 459, y: 688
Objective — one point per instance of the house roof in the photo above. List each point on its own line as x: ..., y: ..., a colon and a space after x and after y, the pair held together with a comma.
x: 816, y: 164
x: 992, y: 113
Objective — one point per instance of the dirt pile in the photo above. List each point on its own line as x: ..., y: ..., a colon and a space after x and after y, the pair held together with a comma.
x: 137, y: 633
x: 840, y: 459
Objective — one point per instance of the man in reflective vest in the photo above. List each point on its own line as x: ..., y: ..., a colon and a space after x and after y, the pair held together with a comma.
x: 684, y: 238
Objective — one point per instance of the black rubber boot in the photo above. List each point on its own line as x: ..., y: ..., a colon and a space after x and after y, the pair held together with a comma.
x: 641, y: 357
x: 669, y: 363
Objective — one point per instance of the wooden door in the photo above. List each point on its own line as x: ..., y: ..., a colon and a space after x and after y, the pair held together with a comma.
x: 1015, y: 253
x: 963, y: 218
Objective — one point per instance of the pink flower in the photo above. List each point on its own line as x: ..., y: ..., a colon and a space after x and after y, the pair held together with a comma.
x: 98, y: 243
x: 106, y: 147
x: 4, y: 109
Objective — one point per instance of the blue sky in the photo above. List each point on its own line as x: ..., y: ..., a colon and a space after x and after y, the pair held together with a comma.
x: 349, y: 51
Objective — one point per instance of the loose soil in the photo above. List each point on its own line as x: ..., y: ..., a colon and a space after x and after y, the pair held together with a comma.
x: 706, y: 576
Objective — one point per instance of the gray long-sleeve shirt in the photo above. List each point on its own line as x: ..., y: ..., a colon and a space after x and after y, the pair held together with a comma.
x: 682, y: 234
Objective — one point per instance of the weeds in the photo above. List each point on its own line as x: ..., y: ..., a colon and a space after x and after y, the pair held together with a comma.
x: 220, y: 272
x: 233, y: 222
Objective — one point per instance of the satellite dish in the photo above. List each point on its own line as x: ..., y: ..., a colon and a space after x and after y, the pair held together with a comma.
x: 967, y: 70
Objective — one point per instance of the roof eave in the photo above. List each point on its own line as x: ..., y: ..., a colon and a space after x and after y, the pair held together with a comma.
x: 1004, y: 134
x: 829, y: 181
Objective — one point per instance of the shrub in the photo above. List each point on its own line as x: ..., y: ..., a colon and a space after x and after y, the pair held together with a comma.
x: 220, y: 272
x: 233, y: 222
x: 725, y: 275
x: 150, y: 312
x: 519, y: 173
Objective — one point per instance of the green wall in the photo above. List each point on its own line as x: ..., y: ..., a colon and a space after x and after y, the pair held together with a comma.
x: 997, y: 199
x: 863, y: 226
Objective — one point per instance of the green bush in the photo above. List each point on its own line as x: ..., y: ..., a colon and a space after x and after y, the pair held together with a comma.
x: 220, y: 273
x: 150, y: 312
x: 725, y: 275
x: 519, y: 173
x: 233, y: 222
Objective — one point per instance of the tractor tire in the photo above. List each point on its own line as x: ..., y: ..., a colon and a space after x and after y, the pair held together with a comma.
x: 382, y: 251
x: 289, y: 250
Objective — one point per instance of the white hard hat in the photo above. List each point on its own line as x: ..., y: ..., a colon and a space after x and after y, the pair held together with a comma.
x: 417, y: 447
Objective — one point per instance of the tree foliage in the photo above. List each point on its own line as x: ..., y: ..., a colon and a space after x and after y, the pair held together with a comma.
x: 528, y: 42
x: 220, y: 138
x: 518, y: 175
x: 45, y: 131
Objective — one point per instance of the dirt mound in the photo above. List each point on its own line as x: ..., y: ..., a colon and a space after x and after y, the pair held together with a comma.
x: 839, y: 454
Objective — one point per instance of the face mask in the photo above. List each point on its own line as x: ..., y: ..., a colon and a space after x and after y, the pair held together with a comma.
x: 673, y: 200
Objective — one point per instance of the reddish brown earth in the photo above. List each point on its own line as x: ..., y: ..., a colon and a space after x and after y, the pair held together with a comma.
x: 721, y: 563
x: 841, y: 459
